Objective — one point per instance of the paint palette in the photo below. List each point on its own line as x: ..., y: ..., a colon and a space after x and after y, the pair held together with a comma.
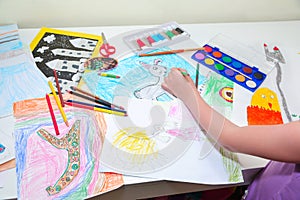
x: 235, y: 70
x: 153, y: 38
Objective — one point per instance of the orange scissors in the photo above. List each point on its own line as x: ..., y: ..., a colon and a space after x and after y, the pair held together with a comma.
x: 106, y: 49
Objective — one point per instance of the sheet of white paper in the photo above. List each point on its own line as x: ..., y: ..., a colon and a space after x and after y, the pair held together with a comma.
x: 9, y: 182
x: 128, y: 180
x: 140, y: 142
x: 184, y: 156
x: 7, y: 142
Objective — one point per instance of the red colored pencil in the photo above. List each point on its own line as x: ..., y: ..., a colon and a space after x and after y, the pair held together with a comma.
x: 79, y: 105
x: 58, y: 89
x: 52, y: 114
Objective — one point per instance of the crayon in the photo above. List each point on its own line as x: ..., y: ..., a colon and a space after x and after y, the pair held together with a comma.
x: 109, y: 75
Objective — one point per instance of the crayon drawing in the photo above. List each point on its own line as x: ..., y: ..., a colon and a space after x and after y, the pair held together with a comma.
x: 141, y: 77
x: 218, y: 92
x: 161, y: 138
x: 14, y: 78
x: 135, y: 141
x: 144, y: 141
x: 59, y: 167
x: 9, y: 38
x: 20, y: 79
x: 65, y: 52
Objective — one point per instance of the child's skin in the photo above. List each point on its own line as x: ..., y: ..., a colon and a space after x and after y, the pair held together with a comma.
x: 275, y: 142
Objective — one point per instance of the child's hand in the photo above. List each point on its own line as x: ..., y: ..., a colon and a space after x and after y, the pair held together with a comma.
x: 179, y: 85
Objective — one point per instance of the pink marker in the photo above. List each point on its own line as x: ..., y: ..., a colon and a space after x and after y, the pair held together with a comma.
x: 141, y: 43
x: 150, y: 40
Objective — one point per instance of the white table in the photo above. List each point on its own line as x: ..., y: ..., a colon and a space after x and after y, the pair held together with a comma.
x: 283, y: 34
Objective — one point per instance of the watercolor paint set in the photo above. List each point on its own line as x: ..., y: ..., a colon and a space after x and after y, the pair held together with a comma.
x: 234, y: 68
x: 156, y: 37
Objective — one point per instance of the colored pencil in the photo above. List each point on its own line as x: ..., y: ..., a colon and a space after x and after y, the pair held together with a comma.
x: 52, y: 114
x: 90, y: 98
x: 197, y: 76
x: 62, y: 112
x: 109, y: 75
x: 97, y: 98
x: 58, y: 89
x: 170, y: 52
x: 95, y: 108
x: 184, y: 73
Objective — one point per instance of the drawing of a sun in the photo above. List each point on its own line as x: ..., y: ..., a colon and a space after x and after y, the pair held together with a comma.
x: 136, y: 142
x: 264, y: 108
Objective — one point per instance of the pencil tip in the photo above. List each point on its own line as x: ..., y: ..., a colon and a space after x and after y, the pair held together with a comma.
x: 67, y: 123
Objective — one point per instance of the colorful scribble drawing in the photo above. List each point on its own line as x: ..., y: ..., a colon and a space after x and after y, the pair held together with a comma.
x: 137, y: 73
x: 231, y: 164
x: 64, y: 166
x: 219, y: 93
x: 184, y: 133
x: 70, y: 142
x: 137, y: 142
x: 264, y: 108
x: 153, y: 90
x: 17, y: 69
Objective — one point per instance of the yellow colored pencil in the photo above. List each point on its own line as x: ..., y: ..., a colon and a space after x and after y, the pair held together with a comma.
x: 109, y: 111
x: 62, y: 112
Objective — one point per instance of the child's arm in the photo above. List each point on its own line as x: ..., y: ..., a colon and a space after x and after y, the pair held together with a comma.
x: 276, y: 142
